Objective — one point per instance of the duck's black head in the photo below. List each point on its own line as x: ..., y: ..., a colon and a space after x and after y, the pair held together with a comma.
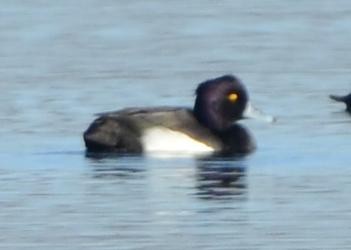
x: 220, y: 102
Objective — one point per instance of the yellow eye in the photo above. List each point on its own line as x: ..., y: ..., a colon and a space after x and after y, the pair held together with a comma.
x: 233, y: 97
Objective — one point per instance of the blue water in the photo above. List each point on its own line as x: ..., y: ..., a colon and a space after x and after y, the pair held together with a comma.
x: 61, y: 62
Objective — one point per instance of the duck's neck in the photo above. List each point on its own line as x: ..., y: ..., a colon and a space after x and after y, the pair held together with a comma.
x: 208, y: 116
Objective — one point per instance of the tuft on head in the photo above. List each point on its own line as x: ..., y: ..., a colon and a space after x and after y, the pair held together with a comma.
x: 224, y: 78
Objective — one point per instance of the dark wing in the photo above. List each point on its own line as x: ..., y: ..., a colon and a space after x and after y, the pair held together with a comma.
x: 142, y: 118
x: 177, y: 119
x: 139, y: 111
x: 120, y: 131
x: 112, y: 128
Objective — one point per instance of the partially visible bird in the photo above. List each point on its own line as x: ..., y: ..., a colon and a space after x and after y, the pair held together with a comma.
x: 345, y: 99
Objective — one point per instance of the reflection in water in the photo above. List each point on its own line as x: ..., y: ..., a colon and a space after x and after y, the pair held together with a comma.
x: 216, y: 177
x: 220, y: 178
x: 110, y: 166
x: 120, y: 171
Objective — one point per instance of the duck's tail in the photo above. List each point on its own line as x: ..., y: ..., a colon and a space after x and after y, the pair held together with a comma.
x: 100, y: 136
x: 107, y: 134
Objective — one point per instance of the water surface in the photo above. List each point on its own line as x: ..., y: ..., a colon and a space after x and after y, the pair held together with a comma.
x: 64, y: 61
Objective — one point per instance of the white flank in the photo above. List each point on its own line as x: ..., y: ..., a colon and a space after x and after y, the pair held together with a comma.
x: 163, y: 140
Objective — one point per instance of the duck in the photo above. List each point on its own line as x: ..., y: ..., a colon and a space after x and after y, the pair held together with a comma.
x: 345, y: 99
x: 211, y: 127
